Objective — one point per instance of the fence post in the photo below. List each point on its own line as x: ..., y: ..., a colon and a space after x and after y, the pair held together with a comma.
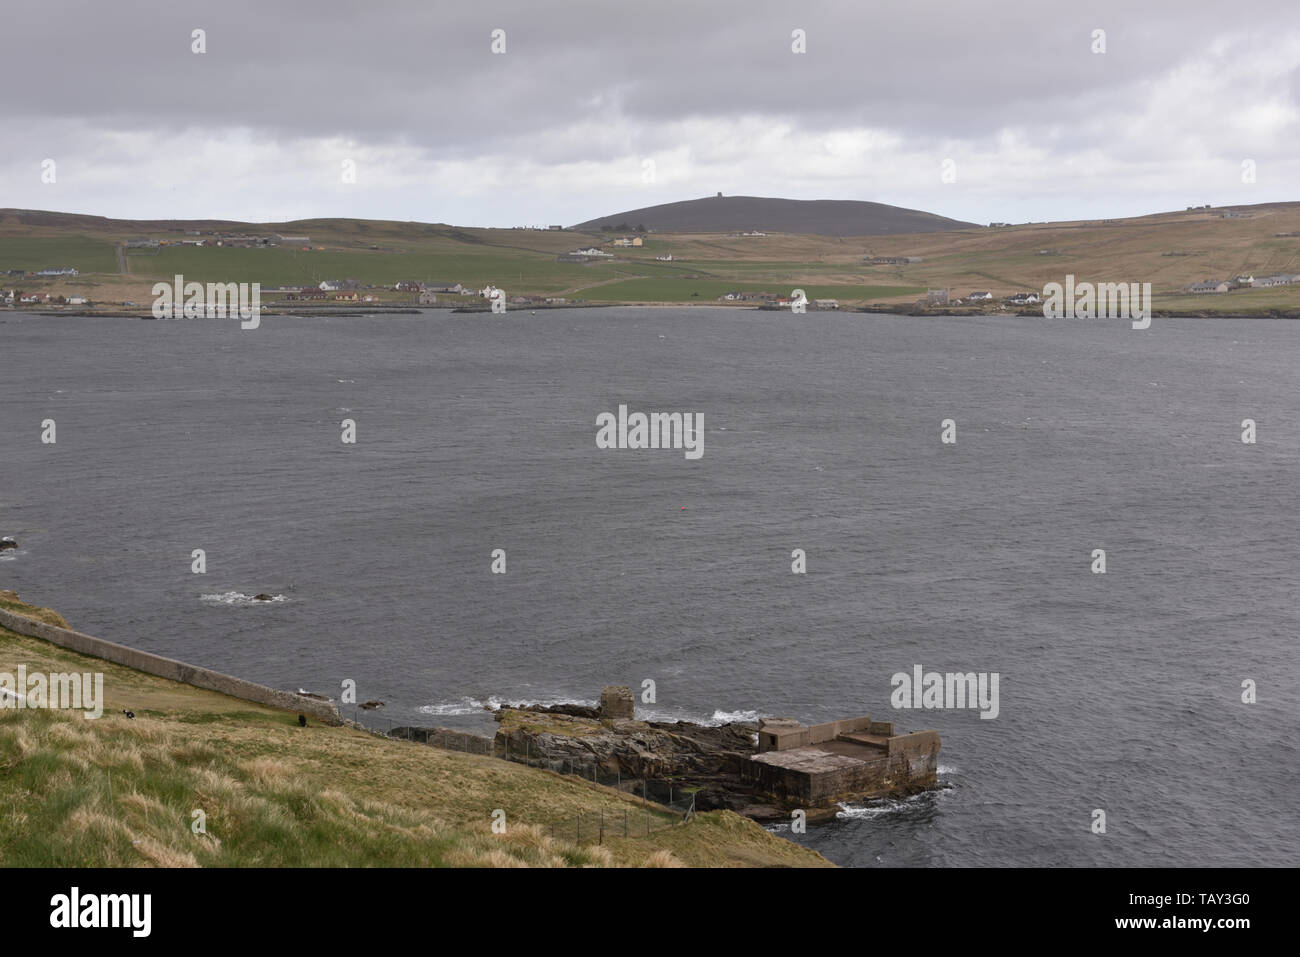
x: 601, y: 839
x: 625, y: 822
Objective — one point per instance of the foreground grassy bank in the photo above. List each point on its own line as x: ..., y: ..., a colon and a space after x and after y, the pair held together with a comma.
x: 119, y: 791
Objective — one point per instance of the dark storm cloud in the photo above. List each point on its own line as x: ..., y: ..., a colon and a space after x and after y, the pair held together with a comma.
x: 1038, y: 125
x: 423, y: 73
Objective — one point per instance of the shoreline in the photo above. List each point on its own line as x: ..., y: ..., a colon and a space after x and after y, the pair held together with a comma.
x: 883, y: 309
x: 362, y: 798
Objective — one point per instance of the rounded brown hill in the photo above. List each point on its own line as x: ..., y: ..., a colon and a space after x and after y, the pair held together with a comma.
x: 822, y: 217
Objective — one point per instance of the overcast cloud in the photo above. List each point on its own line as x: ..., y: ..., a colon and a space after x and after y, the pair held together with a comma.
x: 558, y: 128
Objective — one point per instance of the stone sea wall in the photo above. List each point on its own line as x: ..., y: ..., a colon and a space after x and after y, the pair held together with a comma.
x: 323, y: 711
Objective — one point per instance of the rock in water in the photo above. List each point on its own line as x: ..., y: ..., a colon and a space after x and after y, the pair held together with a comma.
x: 6, y: 543
x: 263, y: 596
x: 371, y: 705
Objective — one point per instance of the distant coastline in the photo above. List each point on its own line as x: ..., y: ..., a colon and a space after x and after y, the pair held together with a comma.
x: 378, y: 310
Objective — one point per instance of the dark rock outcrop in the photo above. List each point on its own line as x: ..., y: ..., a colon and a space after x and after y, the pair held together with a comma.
x: 572, y: 710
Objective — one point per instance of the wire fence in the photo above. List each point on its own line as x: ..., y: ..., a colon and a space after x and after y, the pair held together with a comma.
x: 630, y: 822
x: 665, y: 801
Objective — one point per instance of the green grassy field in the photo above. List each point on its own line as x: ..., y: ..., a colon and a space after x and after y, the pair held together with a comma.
x: 282, y: 266
x: 86, y: 254
x: 119, y: 792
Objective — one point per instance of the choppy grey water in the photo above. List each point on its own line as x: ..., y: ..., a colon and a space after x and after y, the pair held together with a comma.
x: 1118, y: 691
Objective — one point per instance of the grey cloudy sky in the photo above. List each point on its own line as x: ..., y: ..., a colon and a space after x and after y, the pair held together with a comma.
x: 560, y: 127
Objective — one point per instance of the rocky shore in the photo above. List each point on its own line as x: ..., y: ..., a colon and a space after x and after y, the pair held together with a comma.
x: 761, y: 770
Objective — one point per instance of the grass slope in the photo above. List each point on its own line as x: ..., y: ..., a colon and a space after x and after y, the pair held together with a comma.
x: 115, y: 791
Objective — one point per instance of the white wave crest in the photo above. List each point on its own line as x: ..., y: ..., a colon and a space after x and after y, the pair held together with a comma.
x: 239, y: 598
x: 471, y: 705
x: 461, y: 706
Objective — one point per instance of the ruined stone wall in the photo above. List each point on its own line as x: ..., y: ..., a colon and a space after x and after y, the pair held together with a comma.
x: 821, y: 733
x: 323, y: 711
x: 914, y: 764
x: 616, y: 703
x: 916, y: 741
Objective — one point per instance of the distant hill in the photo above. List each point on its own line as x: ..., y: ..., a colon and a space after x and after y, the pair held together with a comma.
x: 820, y: 217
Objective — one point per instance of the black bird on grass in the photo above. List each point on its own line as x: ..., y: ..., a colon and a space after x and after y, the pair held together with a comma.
x: 302, y: 721
x: 129, y: 714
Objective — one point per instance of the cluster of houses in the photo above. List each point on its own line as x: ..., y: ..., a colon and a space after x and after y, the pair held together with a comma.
x: 1242, y: 282
x: 337, y: 290
x: 315, y: 293
x: 772, y: 299
x: 590, y: 254
x: 16, y: 297
x: 53, y: 272
x: 939, y: 297
x: 352, y: 290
